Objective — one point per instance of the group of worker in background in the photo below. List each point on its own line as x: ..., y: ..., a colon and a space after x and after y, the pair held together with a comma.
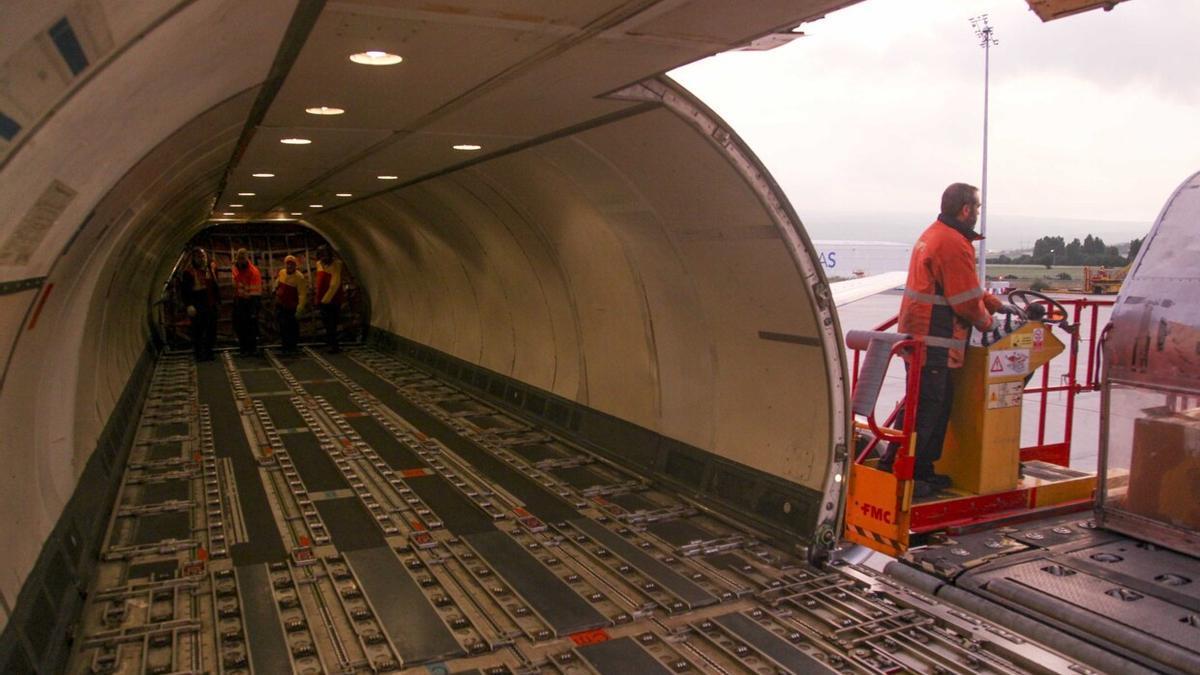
x: 201, y: 294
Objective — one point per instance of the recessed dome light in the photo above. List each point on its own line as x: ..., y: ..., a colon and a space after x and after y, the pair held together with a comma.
x: 316, y: 206
x: 227, y: 213
x: 344, y: 194
x: 295, y: 141
x: 263, y: 175
x: 245, y: 194
x: 468, y: 146
x: 324, y: 110
x: 376, y: 58
x: 236, y: 206
x: 387, y: 177
x: 297, y: 213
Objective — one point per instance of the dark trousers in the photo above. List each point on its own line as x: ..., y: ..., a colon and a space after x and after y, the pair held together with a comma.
x: 245, y: 324
x: 934, y: 403
x: 329, y: 318
x: 289, y: 327
x: 204, y: 332
x: 933, y: 416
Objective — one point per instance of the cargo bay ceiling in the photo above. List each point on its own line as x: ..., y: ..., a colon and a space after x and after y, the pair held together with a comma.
x: 610, y: 243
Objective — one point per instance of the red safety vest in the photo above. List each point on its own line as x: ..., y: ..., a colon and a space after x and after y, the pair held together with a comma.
x: 247, y: 283
x: 942, y: 297
x: 325, y: 278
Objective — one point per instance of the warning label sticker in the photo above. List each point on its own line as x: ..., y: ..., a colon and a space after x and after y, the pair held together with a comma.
x: 1005, y: 394
x: 1024, y: 340
x: 1006, y: 362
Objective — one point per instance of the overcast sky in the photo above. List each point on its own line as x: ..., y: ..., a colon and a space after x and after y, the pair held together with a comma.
x: 880, y: 106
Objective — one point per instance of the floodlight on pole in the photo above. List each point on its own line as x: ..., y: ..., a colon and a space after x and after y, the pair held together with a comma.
x: 987, y: 38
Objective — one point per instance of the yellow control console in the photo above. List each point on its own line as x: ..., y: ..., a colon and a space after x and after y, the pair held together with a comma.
x: 982, y: 451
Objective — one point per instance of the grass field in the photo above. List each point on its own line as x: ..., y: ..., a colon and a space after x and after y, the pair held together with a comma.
x: 1029, y: 273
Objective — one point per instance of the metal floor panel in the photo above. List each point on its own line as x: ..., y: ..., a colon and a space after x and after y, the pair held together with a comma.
x: 261, y: 381
x: 349, y: 523
x: 268, y: 649
x: 415, y: 627
x: 357, y: 519
x: 334, y: 392
x: 313, y: 462
x: 683, y: 588
x: 622, y: 655
x: 264, y: 543
x: 560, y: 606
x: 283, y: 413
x: 770, y: 644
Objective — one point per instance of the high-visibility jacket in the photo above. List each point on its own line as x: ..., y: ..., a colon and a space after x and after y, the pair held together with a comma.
x: 329, y: 283
x: 247, y: 283
x: 942, y: 297
x: 199, y: 286
x: 291, y: 290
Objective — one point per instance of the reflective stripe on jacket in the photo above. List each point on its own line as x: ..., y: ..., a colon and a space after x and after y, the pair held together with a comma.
x: 942, y: 297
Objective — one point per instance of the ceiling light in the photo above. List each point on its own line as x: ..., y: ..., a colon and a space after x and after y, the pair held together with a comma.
x: 245, y: 194
x: 227, y: 213
x: 387, y: 177
x: 343, y: 194
x: 316, y: 206
x: 376, y: 58
x: 468, y: 146
x: 236, y: 206
x: 297, y: 213
x: 324, y: 110
x: 295, y: 141
x: 263, y: 175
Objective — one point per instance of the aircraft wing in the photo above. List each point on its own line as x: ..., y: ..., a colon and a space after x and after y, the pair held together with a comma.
x: 846, y: 292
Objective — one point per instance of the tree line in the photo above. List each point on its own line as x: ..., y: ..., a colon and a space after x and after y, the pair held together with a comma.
x: 1050, y: 251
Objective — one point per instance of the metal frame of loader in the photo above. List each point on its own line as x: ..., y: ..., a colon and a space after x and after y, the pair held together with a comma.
x: 880, y: 511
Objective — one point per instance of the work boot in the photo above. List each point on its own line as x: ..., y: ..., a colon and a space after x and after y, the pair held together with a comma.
x: 921, y: 489
x: 938, y: 480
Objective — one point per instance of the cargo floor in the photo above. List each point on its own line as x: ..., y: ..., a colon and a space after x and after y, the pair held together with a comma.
x: 352, y: 513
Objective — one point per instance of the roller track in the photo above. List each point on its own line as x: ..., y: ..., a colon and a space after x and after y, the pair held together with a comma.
x: 352, y: 513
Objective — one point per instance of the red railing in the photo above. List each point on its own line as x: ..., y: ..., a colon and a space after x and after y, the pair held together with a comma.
x: 1086, y: 330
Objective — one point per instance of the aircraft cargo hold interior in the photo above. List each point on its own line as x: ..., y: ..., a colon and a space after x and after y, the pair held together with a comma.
x: 600, y: 418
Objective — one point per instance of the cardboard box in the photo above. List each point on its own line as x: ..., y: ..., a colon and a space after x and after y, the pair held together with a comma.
x: 1164, y: 471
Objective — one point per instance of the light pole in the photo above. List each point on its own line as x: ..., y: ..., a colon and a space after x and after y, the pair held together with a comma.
x: 983, y: 31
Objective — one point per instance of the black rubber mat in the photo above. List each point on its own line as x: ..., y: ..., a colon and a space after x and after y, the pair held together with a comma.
x: 536, y: 452
x: 161, y: 526
x: 261, y: 621
x: 161, y: 451
x: 307, y: 369
x: 265, y: 544
x: 165, y: 491
x: 726, y: 561
x: 769, y: 643
x: 349, y: 523
x: 632, y: 501
x: 541, y: 503
x: 336, y: 393
x: 622, y: 655
x: 407, y: 617
x: 580, y: 477
x: 283, y: 414
x: 666, y: 577
x: 170, y: 429
x: 395, y: 453
x: 316, y: 467
x: 458, y: 514
x: 461, y: 405
x: 679, y: 532
x: 261, y: 381
x: 548, y: 595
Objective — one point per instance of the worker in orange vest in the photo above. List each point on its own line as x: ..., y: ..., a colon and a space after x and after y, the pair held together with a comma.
x: 247, y: 297
x: 942, y: 302
x: 291, y: 296
x: 329, y: 295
